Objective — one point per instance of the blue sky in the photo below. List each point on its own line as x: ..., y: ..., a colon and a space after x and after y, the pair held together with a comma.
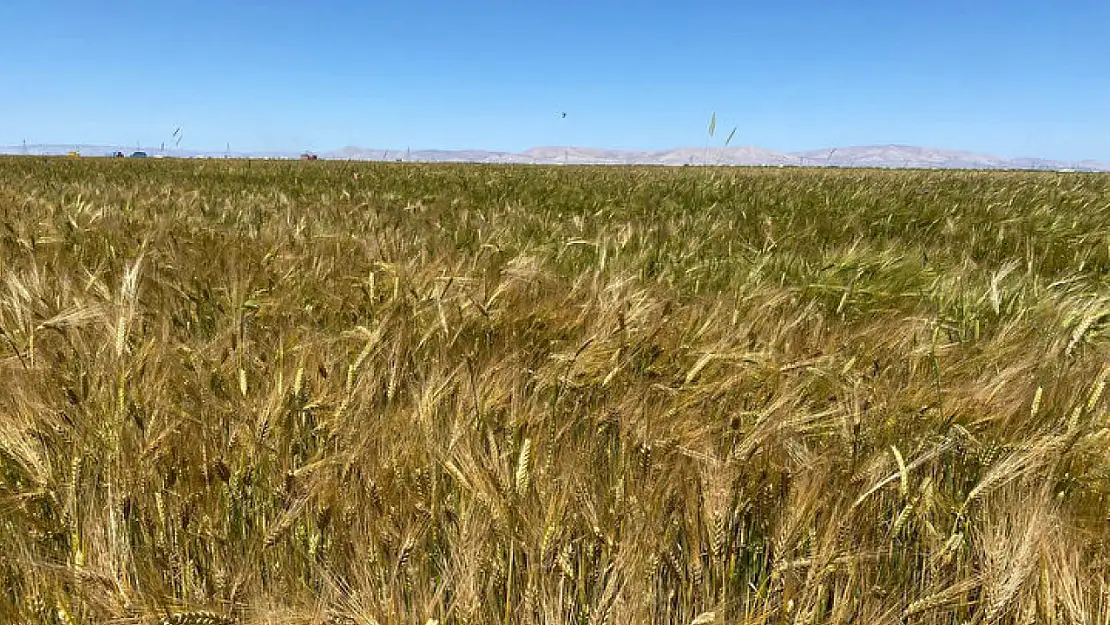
x: 1014, y: 78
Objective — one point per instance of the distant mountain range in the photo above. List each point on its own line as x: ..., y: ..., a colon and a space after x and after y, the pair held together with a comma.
x: 883, y: 156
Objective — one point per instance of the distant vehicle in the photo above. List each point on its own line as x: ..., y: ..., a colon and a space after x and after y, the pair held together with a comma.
x: 138, y: 155
x: 118, y: 155
x: 309, y: 157
x: 74, y: 154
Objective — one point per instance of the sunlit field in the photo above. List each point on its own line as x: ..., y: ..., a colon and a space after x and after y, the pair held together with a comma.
x: 339, y: 393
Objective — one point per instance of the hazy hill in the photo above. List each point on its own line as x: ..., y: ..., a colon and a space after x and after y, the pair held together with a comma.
x: 890, y: 156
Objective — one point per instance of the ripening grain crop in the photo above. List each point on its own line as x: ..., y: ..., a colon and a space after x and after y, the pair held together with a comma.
x: 264, y: 392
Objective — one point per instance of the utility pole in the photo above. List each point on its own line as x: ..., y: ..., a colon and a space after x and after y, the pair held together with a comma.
x: 566, y: 148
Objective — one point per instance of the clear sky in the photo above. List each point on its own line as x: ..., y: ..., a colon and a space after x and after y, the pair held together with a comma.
x: 1013, y: 78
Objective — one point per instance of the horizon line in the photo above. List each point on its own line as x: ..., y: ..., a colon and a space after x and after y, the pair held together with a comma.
x: 803, y: 154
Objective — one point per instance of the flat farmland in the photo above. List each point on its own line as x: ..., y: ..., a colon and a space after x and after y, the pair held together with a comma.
x: 354, y: 393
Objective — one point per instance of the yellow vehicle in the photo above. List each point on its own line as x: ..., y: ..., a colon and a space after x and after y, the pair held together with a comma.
x: 74, y: 154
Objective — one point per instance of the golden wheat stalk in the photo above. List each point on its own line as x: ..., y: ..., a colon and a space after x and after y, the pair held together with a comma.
x: 199, y: 617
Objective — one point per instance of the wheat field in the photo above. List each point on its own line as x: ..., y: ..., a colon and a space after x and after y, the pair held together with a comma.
x: 336, y: 393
